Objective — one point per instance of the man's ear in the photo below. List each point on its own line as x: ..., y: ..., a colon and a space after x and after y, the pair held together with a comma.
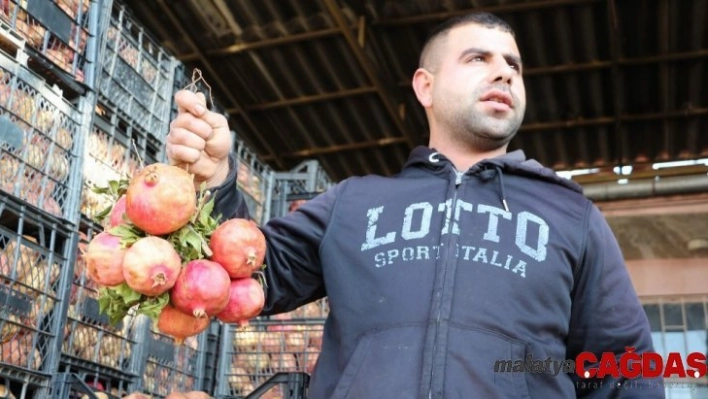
x: 423, y: 87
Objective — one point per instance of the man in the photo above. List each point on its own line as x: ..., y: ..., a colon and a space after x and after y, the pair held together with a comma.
x: 470, y: 258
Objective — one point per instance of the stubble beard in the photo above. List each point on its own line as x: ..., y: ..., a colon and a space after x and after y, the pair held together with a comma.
x: 485, y: 132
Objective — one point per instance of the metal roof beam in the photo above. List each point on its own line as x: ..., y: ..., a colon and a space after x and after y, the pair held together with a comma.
x: 237, y: 48
x: 309, y: 152
x: 302, y: 100
x: 642, y: 171
x: 607, y: 120
x: 665, y: 89
x: 497, y: 9
x: 371, y: 73
x: 215, y: 77
x: 616, y: 79
x: 300, y: 37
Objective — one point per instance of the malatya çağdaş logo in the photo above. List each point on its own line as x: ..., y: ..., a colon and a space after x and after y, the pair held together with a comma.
x: 629, y: 365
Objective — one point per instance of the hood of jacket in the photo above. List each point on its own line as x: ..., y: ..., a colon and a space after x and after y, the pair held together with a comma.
x: 514, y: 162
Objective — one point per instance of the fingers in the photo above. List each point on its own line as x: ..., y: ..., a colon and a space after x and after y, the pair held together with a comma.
x: 188, y: 101
x: 198, y: 137
x: 185, y: 137
x: 191, y: 123
x: 180, y: 154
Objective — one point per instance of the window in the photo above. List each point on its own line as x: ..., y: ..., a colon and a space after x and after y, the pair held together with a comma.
x: 680, y: 325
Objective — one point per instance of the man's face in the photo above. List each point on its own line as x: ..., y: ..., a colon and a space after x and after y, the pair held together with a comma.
x: 478, y: 93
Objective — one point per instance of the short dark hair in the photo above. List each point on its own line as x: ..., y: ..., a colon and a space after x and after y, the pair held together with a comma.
x: 485, y: 19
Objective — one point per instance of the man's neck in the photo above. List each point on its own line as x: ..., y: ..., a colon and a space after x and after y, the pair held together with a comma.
x: 463, y: 157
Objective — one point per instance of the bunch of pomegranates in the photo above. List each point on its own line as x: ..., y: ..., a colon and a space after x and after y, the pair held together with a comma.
x: 163, y: 254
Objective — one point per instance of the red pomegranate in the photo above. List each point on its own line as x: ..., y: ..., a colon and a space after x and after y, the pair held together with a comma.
x: 239, y: 246
x: 104, y: 260
x: 246, y: 300
x: 151, y: 266
x: 180, y: 325
x: 160, y: 199
x: 202, y: 288
x: 117, y: 212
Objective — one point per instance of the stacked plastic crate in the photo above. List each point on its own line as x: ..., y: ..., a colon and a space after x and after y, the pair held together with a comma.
x: 166, y: 365
x: 302, y: 183
x: 136, y: 74
x: 253, y: 357
x: 255, y: 180
x: 36, y: 256
x: 45, y: 61
x: 57, y: 37
x: 95, y: 351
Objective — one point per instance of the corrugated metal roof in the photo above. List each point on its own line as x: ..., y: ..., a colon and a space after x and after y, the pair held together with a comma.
x: 608, y: 81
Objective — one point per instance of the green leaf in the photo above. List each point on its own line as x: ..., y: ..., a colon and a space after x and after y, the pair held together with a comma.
x: 205, y: 213
x: 113, y: 185
x: 104, y: 213
x: 115, y: 302
x: 100, y: 190
x: 152, y: 306
x: 194, y: 240
x: 129, y: 295
x: 122, y: 231
x: 104, y: 300
x: 127, y: 232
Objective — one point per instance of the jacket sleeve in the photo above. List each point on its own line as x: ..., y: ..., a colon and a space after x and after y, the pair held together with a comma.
x: 293, y: 266
x: 229, y: 203
x: 293, y: 270
x: 607, y: 316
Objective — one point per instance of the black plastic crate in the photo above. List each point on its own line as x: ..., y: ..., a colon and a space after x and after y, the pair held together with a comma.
x: 40, y: 142
x: 86, y: 385
x: 302, y: 183
x: 58, y: 35
x: 166, y: 366
x: 253, y: 354
x: 35, y: 255
x: 291, y: 385
x: 255, y: 180
x: 136, y: 72
x: 211, y: 357
x: 92, y: 347
x: 116, y: 148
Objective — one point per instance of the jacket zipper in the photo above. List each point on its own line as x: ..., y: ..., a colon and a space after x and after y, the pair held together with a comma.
x: 450, y: 222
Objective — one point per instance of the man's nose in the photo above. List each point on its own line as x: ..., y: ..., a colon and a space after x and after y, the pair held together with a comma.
x: 502, y: 72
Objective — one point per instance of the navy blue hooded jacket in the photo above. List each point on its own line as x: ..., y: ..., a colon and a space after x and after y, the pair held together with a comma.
x: 435, y: 277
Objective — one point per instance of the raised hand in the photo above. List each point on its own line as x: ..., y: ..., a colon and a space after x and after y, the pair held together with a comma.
x: 199, y: 140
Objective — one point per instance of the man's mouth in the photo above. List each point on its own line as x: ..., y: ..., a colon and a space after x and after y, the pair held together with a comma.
x: 498, y: 96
